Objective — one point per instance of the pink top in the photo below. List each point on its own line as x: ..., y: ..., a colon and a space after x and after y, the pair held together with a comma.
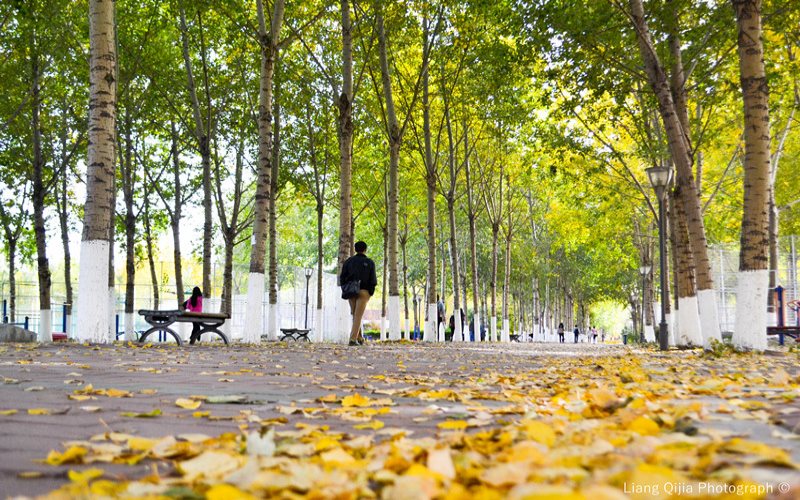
x: 198, y: 308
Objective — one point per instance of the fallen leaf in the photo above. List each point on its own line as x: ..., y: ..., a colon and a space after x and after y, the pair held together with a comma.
x: 151, y: 414
x: 188, y: 404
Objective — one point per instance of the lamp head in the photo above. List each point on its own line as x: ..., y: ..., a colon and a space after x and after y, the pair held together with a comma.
x: 309, y: 272
x: 660, y: 177
x: 644, y: 269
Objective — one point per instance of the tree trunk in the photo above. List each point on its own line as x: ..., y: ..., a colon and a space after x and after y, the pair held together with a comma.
x: 473, y: 244
x: 63, y: 219
x: 430, y: 181
x: 450, y: 196
x: 506, y: 285
x: 98, y: 210
x: 203, y: 137
x: 254, y: 315
x: 344, y: 104
x: 39, y: 194
x: 403, y: 241
x: 12, y: 279
x: 493, y: 284
x: 751, y: 312
x: 682, y: 157
x: 128, y: 187
x: 395, y: 141
x: 148, y: 239
x: 274, y: 320
x: 176, y: 218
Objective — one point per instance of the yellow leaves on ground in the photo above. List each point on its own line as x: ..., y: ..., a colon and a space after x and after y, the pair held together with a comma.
x: 150, y: 414
x: 538, y: 431
x: 7, y: 412
x: 73, y: 455
x: 644, y: 426
x: 574, y: 429
x: 456, y: 425
x: 356, y: 400
x: 188, y: 404
x: 372, y: 424
x: 227, y: 492
x: 84, y: 476
x: 212, y: 463
x: 111, y: 393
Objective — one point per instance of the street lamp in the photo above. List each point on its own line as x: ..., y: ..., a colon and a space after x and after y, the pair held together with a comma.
x: 643, y: 270
x: 308, y: 272
x: 660, y: 178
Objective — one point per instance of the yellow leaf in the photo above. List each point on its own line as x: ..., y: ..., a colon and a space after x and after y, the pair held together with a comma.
x: 330, y: 398
x: 326, y: 443
x: 453, y: 425
x: 201, y: 414
x: 74, y: 454
x: 38, y: 411
x: 8, y: 412
x: 117, y: 393
x: 34, y: 474
x: 80, y: 397
x: 355, y: 400
x: 188, y: 404
x: 767, y: 454
x: 336, y: 456
x: 141, y: 444
x: 227, y: 492
x: 539, y: 431
x: 85, y: 476
x: 644, y: 426
x: 372, y: 424
x: 149, y: 414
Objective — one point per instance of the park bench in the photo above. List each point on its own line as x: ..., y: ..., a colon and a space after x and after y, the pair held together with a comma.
x: 514, y: 337
x: 783, y: 331
x: 160, y: 321
x: 296, y: 334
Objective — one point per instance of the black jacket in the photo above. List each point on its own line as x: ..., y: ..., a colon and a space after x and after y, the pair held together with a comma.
x: 360, y: 267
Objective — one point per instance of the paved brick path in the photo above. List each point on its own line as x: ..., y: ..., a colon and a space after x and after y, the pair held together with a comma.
x: 269, y: 378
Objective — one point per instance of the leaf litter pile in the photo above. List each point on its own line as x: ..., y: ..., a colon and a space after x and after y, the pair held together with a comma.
x: 402, y: 421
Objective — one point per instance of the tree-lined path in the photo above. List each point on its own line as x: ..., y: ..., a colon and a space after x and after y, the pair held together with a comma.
x: 392, y: 420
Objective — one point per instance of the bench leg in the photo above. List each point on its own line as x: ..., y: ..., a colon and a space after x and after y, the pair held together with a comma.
x: 780, y: 338
x: 212, y: 329
x: 160, y: 329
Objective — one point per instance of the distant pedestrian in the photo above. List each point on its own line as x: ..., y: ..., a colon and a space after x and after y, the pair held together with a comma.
x: 594, y: 334
x: 577, y: 334
x: 194, y: 304
x: 440, y: 312
x: 561, y: 332
x: 358, y: 273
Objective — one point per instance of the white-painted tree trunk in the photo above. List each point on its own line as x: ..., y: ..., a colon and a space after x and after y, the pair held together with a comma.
x: 506, y: 331
x: 68, y: 326
x: 430, y: 334
x: 394, y: 317
x: 254, y: 309
x: 689, y: 331
x: 319, y: 326
x: 709, y: 317
x: 476, y: 327
x: 45, y: 326
x: 273, y: 322
x: 92, y: 304
x: 493, y: 329
x: 457, y: 328
x: 649, y: 333
x: 130, y: 333
x: 112, y: 316
x: 751, y: 310
x: 672, y: 327
x: 407, y: 327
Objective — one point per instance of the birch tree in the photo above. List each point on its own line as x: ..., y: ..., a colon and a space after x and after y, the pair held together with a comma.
x: 92, y: 310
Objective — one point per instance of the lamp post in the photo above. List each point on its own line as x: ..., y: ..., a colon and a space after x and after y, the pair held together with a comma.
x: 643, y: 270
x: 308, y: 272
x: 660, y: 178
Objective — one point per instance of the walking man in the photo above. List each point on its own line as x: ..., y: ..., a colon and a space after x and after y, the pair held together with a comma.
x: 359, y: 268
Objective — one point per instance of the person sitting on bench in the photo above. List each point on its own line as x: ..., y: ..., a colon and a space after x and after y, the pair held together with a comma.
x: 195, y: 304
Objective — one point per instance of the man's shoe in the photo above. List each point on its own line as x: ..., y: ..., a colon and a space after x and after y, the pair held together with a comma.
x: 353, y: 342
